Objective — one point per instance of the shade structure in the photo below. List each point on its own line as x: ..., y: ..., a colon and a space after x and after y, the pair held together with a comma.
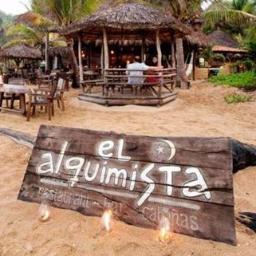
x: 20, y: 52
x: 128, y: 16
x: 223, y: 42
x: 219, y: 37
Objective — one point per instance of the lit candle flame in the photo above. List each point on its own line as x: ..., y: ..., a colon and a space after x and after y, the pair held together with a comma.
x: 165, y: 234
x: 106, y: 220
x: 44, y: 212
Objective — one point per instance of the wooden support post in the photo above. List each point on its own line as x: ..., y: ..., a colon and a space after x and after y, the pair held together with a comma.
x: 173, y: 55
x: 80, y: 59
x: 158, y: 47
x: 102, y: 59
x: 106, y: 54
x: 143, y: 50
x: 46, y: 51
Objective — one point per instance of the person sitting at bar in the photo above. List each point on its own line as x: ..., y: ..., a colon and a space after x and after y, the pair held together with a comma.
x: 135, y: 71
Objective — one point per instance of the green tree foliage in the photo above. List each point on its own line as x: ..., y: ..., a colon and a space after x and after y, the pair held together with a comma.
x: 181, y: 9
x: 64, y: 12
x: 236, y: 16
x: 5, y: 20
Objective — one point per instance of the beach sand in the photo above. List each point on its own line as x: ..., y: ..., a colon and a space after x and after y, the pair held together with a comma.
x: 200, y: 111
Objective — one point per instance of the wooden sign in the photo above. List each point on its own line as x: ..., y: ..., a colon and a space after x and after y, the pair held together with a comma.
x: 142, y: 179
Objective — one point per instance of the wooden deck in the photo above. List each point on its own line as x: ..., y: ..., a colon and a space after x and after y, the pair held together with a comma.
x: 128, y: 99
x: 121, y: 87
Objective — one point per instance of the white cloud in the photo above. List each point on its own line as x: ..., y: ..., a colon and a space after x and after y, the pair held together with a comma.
x: 14, y: 7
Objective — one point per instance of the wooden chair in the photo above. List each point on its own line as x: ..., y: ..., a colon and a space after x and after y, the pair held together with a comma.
x: 42, y: 99
x: 59, y: 94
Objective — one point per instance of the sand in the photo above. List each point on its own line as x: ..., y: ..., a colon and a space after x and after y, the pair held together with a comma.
x: 200, y: 111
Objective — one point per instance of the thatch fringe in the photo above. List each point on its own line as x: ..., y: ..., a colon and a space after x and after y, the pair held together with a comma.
x: 21, y: 52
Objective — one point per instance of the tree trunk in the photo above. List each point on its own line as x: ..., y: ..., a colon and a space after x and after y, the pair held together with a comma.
x: 181, y: 69
x: 74, y: 64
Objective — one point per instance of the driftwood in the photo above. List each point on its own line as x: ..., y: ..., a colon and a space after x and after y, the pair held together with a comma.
x: 19, y: 137
x: 244, y: 155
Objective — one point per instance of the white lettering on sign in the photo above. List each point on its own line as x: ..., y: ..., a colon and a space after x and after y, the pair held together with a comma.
x: 76, y: 164
x: 169, y: 176
x: 49, y: 163
x: 150, y: 188
x: 105, y: 148
x: 103, y: 172
x: 197, y: 182
x: 61, y: 155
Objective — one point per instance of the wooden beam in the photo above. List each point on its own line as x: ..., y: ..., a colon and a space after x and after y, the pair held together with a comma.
x: 106, y: 53
x: 159, y: 51
x: 143, y: 50
x: 102, y: 59
x: 46, y: 51
x: 80, y: 59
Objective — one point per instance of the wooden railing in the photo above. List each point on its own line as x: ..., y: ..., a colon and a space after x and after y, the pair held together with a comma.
x: 135, y: 80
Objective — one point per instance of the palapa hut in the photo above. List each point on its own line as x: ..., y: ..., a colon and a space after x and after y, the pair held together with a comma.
x: 223, y: 43
x: 20, y: 52
x: 112, y: 36
x: 123, y: 31
x: 24, y: 54
x: 226, y: 52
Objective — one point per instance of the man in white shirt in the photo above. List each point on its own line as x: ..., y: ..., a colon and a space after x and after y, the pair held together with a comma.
x: 135, y: 71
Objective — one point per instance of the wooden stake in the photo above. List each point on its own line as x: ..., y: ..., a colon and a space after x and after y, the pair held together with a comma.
x: 80, y: 59
x: 159, y: 51
x: 106, y: 54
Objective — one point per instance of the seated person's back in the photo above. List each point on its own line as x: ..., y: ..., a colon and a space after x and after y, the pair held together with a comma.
x: 135, y: 72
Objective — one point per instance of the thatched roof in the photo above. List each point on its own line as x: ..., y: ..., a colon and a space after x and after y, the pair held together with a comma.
x: 128, y: 16
x: 222, y: 38
x: 198, y: 38
x: 62, y: 51
x: 20, y: 52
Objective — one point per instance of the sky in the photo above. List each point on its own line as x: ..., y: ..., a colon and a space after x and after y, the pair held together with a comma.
x: 14, y: 7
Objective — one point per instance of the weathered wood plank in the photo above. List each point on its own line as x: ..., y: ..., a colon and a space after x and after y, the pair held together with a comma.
x: 219, y: 181
x: 201, y: 152
x: 209, y: 221
x: 142, y: 179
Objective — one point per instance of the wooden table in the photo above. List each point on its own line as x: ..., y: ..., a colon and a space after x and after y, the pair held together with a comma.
x: 14, y: 90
